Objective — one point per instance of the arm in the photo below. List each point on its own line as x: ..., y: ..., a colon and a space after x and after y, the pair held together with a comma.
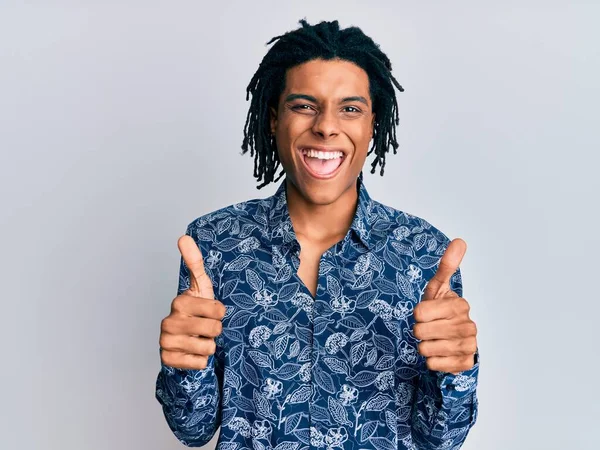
x: 445, y: 405
x: 191, y: 398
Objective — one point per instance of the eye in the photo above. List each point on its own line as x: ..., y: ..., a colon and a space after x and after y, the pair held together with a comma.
x: 302, y: 107
x: 353, y: 108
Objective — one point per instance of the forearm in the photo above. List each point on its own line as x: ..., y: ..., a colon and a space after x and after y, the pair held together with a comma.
x: 445, y: 408
x: 190, y: 400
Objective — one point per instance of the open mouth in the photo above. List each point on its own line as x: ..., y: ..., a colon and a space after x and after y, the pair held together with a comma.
x: 322, y: 164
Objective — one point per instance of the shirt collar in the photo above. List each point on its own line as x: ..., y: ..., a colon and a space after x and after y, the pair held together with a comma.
x: 280, y: 226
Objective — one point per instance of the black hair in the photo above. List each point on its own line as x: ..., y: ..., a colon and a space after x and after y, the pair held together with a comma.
x: 325, y: 41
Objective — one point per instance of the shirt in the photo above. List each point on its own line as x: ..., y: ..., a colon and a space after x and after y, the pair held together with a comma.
x: 337, y: 370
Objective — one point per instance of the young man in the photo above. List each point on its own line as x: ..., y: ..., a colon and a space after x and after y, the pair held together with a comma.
x: 319, y: 317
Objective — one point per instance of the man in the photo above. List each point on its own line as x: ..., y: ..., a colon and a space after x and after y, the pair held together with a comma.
x: 319, y: 317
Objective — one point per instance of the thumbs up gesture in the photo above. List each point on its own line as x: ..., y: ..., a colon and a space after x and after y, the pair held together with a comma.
x: 447, y: 334
x: 187, y: 334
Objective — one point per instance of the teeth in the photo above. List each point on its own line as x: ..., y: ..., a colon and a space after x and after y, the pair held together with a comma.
x: 322, y: 155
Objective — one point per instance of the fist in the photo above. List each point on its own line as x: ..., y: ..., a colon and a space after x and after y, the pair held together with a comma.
x: 447, y: 333
x: 187, y: 334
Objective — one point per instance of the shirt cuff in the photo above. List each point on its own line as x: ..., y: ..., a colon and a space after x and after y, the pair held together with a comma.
x: 460, y: 385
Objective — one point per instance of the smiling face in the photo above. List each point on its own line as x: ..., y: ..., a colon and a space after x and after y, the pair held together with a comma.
x: 323, y: 126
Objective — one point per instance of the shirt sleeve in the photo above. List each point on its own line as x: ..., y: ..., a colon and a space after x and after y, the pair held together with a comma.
x: 446, y: 404
x: 190, y: 398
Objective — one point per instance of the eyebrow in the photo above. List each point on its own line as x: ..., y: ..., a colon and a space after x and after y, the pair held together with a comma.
x: 310, y: 98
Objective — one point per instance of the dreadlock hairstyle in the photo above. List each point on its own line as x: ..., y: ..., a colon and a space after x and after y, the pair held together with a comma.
x: 325, y: 41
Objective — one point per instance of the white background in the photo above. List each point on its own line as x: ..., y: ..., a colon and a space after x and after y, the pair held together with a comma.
x: 121, y: 122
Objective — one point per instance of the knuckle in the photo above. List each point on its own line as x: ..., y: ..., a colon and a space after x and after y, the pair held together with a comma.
x: 417, y: 313
x: 166, y: 325
x: 417, y: 331
x: 218, y: 308
x: 465, y: 306
x: 430, y: 363
x: 212, y: 347
x: 213, y: 327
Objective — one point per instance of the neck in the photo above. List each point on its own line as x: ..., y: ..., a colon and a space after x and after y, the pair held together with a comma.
x: 321, y: 223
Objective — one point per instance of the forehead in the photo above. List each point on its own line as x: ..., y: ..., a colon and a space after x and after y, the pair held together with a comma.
x: 327, y: 78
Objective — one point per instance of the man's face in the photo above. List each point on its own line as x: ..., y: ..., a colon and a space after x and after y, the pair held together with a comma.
x: 323, y: 126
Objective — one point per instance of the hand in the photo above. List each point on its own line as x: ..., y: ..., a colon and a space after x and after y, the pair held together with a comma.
x: 448, y: 336
x: 187, y: 334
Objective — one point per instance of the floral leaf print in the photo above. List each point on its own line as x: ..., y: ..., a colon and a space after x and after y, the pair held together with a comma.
x: 261, y: 359
x: 283, y: 275
x: 304, y: 334
x: 347, y: 274
x: 352, y: 322
x: 386, y: 286
x: 419, y: 240
x: 231, y: 378
x: 338, y: 412
x: 383, y: 343
x: 392, y: 259
x: 292, y: 421
x: 363, y: 378
x: 243, y: 403
x: 239, y: 263
x: 386, y: 362
x: 427, y: 261
x: 254, y: 280
x: 288, y: 291
x: 263, y: 407
x: 357, y: 335
x: 363, y: 281
x: 246, y: 230
x: 205, y: 235
x: 287, y: 371
x: 227, y: 245
x: 303, y: 435
x: 228, y: 414
x: 223, y: 225
x: 333, y: 287
x: 249, y: 373
x: 323, y: 380
x: 266, y: 268
x: 331, y: 371
x: 381, y: 443
x: 357, y: 352
x: 281, y: 345
x: 228, y: 446
x: 287, y: 445
x: 405, y: 286
x: 300, y: 395
x: 229, y: 287
x: 321, y: 324
x: 243, y: 300
x: 240, y: 319
x: 365, y: 298
x: 321, y: 414
x: 337, y: 365
x: 378, y: 403
x: 368, y: 429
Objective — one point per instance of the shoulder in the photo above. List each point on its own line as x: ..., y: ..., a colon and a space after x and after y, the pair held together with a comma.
x: 398, y: 225
x: 222, y: 219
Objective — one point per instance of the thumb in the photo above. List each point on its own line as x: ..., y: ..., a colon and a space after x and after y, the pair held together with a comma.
x: 200, y: 283
x: 439, y: 285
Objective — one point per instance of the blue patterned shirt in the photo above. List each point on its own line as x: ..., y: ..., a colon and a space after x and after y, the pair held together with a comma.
x: 339, y: 370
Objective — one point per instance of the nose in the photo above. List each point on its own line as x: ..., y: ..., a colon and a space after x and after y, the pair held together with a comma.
x: 326, y: 124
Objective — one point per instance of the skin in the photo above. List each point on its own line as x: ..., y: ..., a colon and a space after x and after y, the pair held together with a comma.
x: 329, y: 121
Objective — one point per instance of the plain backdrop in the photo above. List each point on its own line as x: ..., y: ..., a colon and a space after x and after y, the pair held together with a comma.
x: 121, y: 122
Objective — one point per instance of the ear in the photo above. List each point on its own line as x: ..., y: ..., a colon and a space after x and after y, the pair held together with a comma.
x: 273, y: 119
